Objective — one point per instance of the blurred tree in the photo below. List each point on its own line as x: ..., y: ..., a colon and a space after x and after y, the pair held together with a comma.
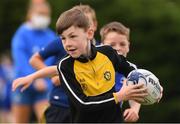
x: 12, y: 13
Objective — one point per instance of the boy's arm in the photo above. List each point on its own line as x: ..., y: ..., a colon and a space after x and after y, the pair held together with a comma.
x: 134, y: 105
x: 132, y: 114
x: 26, y: 81
x: 53, y: 49
x: 38, y: 63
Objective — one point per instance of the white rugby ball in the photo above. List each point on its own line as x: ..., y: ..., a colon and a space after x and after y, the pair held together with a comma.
x: 150, y: 81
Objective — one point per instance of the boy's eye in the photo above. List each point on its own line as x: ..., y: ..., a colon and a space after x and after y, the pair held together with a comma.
x: 73, y: 36
x: 122, y: 44
x: 62, y: 38
x: 112, y: 44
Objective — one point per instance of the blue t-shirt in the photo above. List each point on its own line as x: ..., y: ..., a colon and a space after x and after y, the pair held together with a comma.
x: 120, y: 78
x: 55, y: 49
x: 119, y: 81
x: 25, y: 43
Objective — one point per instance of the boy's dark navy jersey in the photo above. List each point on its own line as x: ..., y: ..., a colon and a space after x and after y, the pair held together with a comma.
x: 55, y: 49
x: 90, y: 83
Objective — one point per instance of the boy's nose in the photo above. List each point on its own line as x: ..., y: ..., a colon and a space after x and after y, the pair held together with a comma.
x: 67, y: 42
x: 118, y: 48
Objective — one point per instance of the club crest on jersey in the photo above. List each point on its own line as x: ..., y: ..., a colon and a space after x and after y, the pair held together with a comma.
x: 82, y: 80
x: 84, y: 86
x: 107, y: 75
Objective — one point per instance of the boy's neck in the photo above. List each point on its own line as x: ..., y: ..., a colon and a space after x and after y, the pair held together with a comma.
x: 91, y: 56
x: 88, y: 49
x: 88, y: 52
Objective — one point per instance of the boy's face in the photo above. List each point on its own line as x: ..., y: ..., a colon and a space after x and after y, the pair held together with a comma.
x: 118, y: 42
x: 75, y: 41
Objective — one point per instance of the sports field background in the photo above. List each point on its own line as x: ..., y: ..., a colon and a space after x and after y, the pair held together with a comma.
x: 155, y: 40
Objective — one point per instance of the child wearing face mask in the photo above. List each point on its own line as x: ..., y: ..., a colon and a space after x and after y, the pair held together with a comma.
x: 29, y: 38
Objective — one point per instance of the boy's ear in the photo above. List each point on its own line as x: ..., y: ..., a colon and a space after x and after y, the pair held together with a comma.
x: 128, y: 47
x: 90, y: 33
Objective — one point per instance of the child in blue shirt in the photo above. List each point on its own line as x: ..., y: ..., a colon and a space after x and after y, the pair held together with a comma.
x: 116, y: 35
x: 29, y: 38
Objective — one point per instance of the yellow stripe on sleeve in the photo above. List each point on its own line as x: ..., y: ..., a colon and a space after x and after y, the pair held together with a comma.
x: 115, y: 98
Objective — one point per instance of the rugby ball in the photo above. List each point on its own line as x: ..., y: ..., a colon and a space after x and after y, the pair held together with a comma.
x: 150, y: 81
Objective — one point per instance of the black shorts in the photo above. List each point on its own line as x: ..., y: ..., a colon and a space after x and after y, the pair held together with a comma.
x: 57, y: 114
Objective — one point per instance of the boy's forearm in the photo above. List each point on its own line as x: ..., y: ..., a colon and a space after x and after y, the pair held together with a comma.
x: 136, y: 106
x: 44, y: 73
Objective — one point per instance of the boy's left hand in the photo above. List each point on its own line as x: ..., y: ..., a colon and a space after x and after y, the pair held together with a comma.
x: 24, y: 82
x: 130, y: 115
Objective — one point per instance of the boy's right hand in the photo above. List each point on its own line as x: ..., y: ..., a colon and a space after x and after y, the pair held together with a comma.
x: 24, y: 82
x: 132, y: 92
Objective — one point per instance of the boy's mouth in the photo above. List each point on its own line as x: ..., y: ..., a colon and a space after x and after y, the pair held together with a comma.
x: 71, y: 49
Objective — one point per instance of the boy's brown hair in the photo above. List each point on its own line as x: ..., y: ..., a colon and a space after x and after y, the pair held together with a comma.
x: 114, y: 27
x: 88, y: 10
x: 73, y: 17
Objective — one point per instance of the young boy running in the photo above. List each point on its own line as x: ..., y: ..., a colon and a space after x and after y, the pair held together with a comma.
x: 87, y: 74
